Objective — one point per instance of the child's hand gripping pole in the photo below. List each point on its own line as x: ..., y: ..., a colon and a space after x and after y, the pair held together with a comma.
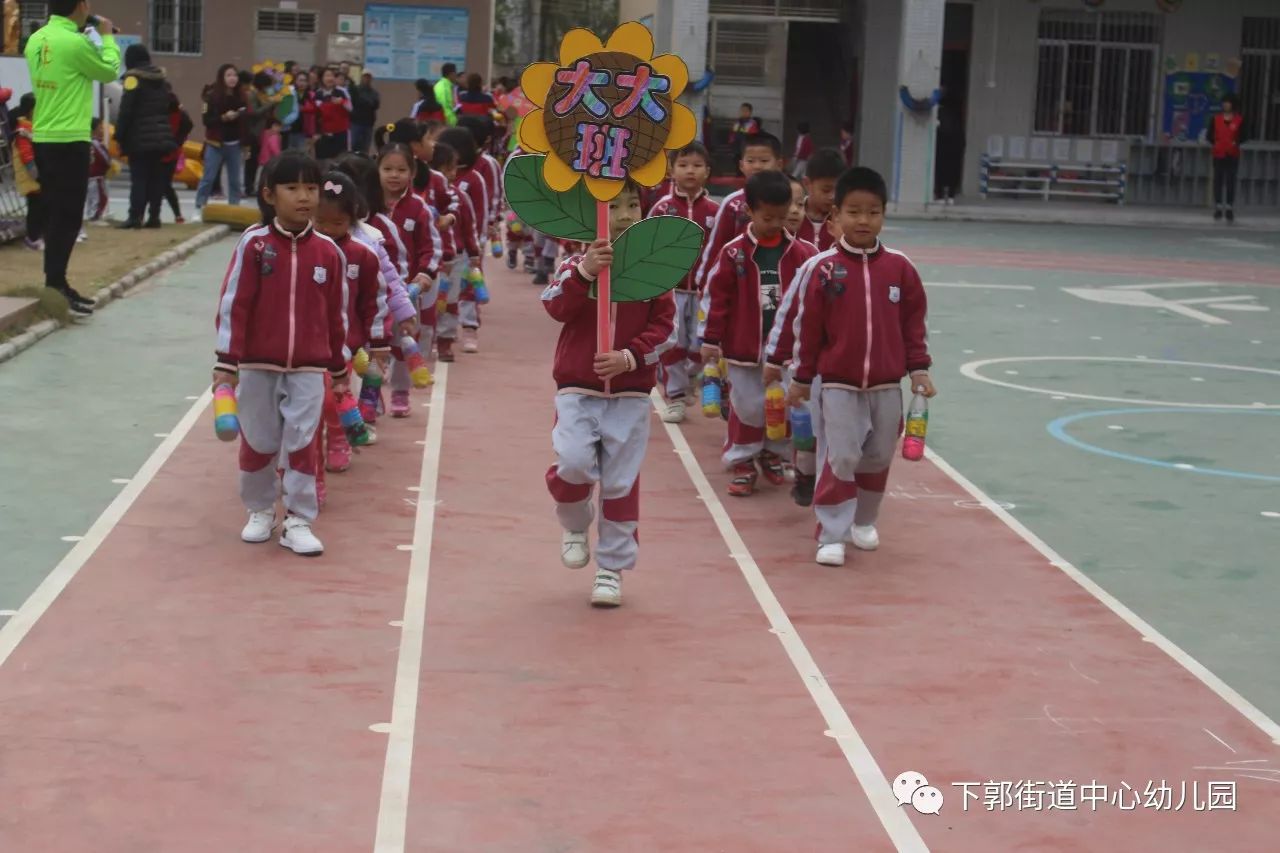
x: 604, y: 331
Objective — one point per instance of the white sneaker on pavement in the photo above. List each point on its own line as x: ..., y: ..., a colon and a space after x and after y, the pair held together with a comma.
x: 607, y: 591
x: 674, y: 413
x: 299, y: 539
x: 831, y: 555
x: 260, y: 525
x: 864, y: 538
x: 575, y: 550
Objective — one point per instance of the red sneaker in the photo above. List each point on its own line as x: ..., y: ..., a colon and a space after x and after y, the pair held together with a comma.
x: 743, y: 483
x: 772, y: 467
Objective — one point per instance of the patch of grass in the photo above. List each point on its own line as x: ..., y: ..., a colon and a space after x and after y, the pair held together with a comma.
x: 105, y: 257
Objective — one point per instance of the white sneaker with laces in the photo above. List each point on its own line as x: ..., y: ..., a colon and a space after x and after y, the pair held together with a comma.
x: 674, y: 413
x: 470, y: 340
x: 831, y: 555
x: 299, y: 539
x: 260, y: 525
x: 607, y: 591
x: 575, y: 550
x: 864, y: 538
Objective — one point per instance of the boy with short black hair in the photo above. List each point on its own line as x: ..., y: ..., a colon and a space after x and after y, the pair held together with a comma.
x: 690, y: 170
x: 762, y: 153
x: 860, y: 327
x: 741, y: 301
x: 825, y: 168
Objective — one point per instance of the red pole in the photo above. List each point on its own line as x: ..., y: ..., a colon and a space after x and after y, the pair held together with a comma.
x: 604, y: 334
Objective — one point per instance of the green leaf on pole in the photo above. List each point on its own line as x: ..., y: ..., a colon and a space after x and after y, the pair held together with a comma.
x: 652, y: 256
x: 567, y: 216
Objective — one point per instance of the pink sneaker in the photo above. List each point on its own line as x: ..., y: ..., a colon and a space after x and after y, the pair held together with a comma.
x: 338, y: 456
x: 470, y: 340
x: 399, y: 404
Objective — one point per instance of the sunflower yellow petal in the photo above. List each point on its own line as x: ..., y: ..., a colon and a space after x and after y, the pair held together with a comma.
x: 533, y: 133
x: 672, y: 66
x: 536, y: 81
x: 602, y: 189
x: 633, y: 38
x: 576, y: 44
x: 684, y: 127
x: 558, y: 175
x: 651, y: 173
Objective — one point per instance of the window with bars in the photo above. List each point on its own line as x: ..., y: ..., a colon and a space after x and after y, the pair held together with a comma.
x: 1096, y: 73
x: 31, y: 16
x: 177, y: 26
x: 738, y: 52
x: 1259, y: 81
x: 286, y: 21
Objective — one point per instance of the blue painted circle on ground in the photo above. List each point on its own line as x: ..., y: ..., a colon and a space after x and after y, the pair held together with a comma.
x: 1058, y: 429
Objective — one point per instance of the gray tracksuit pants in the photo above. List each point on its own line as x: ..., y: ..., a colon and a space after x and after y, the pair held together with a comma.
x: 600, y: 440
x: 745, y: 437
x: 681, y: 362
x: 279, y: 415
x: 858, y: 435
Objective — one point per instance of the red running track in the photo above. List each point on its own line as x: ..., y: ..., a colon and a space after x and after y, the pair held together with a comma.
x: 188, y: 692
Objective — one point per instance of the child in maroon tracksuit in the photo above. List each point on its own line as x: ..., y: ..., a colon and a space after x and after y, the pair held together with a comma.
x: 602, y: 408
x: 761, y: 153
x: 469, y: 182
x: 466, y: 243
x: 860, y: 327
x: 691, y: 168
x: 281, y: 325
x: 743, y: 293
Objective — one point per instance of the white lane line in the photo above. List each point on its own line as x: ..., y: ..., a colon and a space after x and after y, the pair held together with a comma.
x: 1252, y: 713
x: 874, y: 783
x: 69, y: 566
x: 393, y: 806
x: 1221, y: 741
x: 967, y: 285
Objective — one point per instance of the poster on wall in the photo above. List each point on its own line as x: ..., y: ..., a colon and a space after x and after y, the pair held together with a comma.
x: 1190, y: 98
x: 408, y: 42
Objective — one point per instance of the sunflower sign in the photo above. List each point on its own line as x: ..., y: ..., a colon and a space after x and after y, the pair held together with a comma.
x: 606, y: 113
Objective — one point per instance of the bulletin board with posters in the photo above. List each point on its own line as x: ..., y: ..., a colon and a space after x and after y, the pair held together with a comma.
x: 1190, y: 99
x: 409, y: 42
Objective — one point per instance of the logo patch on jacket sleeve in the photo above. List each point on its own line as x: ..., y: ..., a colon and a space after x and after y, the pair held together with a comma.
x: 353, y: 271
x: 321, y: 275
x: 895, y: 293
x: 408, y: 225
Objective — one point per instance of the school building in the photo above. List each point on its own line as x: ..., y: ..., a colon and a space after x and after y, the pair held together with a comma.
x: 1097, y: 101
x: 398, y: 40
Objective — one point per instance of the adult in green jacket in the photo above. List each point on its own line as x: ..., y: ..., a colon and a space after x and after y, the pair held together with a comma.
x: 64, y: 65
x: 445, y: 92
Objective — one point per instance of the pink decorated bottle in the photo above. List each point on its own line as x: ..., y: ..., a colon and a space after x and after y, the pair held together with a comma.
x: 917, y: 426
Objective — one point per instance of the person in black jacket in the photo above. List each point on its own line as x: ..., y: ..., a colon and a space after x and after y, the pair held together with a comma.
x: 144, y: 134
x: 365, y: 103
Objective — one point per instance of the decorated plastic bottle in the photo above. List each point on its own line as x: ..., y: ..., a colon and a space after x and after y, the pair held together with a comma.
x: 495, y: 247
x: 414, y: 291
x: 802, y: 438
x: 226, y: 420
x: 418, y: 370
x: 360, y: 362
x: 370, y: 394
x: 775, y: 412
x: 352, y: 421
x: 476, y: 279
x: 917, y: 426
x: 711, y: 385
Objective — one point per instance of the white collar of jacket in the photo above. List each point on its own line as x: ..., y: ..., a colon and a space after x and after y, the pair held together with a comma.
x: 856, y: 252
x: 289, y: 235
x: 675, y: 193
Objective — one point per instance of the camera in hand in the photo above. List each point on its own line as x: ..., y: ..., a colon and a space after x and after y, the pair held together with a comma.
x: 94, y: 20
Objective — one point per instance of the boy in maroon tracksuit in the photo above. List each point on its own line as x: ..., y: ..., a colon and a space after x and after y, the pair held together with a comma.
x: 761, y: 153
x: 859, y: 326
x: 602, y: 408
x: 691, y: 168
x: 741, y: 300
x: 825, y: 168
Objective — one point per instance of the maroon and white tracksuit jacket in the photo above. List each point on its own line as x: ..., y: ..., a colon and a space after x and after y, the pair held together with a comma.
x: 816, y: 232
x: 284, y: 303
x: 369, y: 313
x: 471, y: 183
x: 731, y: 220
x: 438, y: 195
x: 701, y: 210
x: 731, y: 301
x: 642, y: 328
x: 418, y: 233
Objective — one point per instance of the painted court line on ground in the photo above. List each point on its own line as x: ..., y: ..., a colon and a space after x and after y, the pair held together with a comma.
x: 393, y: 805
x: 69, y: 566
x: 874, y: 783
x: 967, y: 285
x: 1252, y: 713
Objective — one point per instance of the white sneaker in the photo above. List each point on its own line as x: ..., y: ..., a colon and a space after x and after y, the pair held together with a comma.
x: 299, y: 539
x: 470, y: 340
x: 831, y: 555
x: 864, y: 538
x: 373, y: 437
x: 575, y: 550
x: 260, y: 525
x: 674, y: 413
x: 607, y: 591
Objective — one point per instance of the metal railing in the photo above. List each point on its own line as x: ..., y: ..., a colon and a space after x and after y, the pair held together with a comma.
x: 1045, y: 180
x: 795, y: 10
x: 1181, y: 174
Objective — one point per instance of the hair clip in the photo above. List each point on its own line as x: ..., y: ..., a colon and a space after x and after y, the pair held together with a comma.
x: 391, y: 127
x: 332, y: 187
